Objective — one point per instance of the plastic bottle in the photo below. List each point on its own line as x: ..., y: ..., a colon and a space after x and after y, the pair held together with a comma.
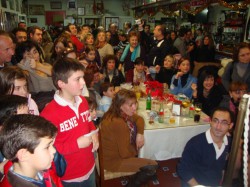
x: 161, y: 113
x: 148, y: 101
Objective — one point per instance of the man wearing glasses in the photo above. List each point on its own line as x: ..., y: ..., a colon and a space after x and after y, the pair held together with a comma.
x: 205, y: 155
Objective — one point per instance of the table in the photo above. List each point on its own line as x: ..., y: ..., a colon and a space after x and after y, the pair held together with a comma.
x: 164, y: 141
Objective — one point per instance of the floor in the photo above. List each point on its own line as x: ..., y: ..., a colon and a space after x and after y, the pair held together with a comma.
x: 166, y: 176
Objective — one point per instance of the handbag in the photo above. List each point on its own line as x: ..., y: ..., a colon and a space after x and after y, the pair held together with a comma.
x: 60, y: 164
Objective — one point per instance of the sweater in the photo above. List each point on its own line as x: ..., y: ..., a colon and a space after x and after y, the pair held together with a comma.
x: 199, y: 161
x: 115, y: 138
x: 231, y: 75
x: 186, y: 90
x: 71, y: 125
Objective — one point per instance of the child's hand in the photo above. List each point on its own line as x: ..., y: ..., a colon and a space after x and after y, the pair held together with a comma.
x: 32, y: 63
x: 157, y: 68
x: 95, y: 141
x: 84, y: 141
x: 178, y: 75
x: 194, y: 86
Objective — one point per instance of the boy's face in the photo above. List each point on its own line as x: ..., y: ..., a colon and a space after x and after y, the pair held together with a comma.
x: 139, y: 68
x: 43, y: 155
x: 74, y: 86
x: 110, y: 92
x: 20, y: 87
x: 111, y: 64
x: 168, y: 62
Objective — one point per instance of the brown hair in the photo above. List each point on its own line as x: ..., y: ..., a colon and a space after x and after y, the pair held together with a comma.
x: 134, y: 33
x: 237, y: 50
x: 120, y: 98
x: 234, y: 86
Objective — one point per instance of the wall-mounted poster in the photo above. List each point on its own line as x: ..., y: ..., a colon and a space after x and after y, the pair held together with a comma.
x: 36, y: 9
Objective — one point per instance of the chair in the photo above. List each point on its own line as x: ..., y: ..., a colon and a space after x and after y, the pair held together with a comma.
x: 199, y: 65
x: 104, y: 174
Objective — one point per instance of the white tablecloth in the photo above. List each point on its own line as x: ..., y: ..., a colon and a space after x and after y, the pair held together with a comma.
x: 166, y: 141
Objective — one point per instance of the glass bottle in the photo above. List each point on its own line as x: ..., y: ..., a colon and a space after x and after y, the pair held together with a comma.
x: 191, y: 109
x: 161, y: 113
x: 148, y: 101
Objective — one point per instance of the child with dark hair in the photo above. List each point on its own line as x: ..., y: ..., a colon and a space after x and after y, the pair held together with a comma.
x: 69, y: 112
x: 13, y: 81
x: 107, y: 93
x: 139, y: 74
x: 11, y: 105
x: 27, y: 142
x: 93, y: 110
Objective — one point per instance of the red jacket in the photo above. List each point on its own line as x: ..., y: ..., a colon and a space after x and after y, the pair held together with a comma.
x: 54, y: 180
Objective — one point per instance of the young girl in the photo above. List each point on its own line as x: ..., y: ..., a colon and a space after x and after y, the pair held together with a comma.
x: 182, y: 81
x: 13, y: 81
x: 167, y: 71
x: 88, y: 56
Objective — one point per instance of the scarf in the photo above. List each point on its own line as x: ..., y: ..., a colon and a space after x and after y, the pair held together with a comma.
x: 136, y: 53
x: 132, y: 128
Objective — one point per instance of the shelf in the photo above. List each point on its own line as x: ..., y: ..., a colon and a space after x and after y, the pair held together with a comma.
x: 156, y: 4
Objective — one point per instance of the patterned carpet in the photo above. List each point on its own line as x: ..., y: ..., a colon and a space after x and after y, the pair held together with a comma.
x: 166, y: 176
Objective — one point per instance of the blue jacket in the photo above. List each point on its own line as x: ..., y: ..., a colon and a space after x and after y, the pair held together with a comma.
x: 186, y: 90
x: 199, y: 161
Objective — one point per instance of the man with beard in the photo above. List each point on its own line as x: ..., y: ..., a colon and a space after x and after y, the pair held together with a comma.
x: 205, y: 155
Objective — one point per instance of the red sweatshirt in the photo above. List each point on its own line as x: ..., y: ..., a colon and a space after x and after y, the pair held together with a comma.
x: 70, y: 127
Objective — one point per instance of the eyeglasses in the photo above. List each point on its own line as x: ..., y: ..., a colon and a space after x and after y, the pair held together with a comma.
x: 223, y: 122
x: 240, y: 91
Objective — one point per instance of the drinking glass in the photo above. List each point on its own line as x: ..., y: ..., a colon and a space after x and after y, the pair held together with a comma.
x: 197, y: 112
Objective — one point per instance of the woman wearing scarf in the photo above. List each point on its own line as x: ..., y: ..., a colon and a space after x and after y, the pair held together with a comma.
x: 122, y: 136
x: 131, y: 52
x: 110, y: 72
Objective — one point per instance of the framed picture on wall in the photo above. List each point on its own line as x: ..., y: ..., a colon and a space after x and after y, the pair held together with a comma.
x: 33, y: 20
x: 72, y: 4
x: 4, y: 3
x: 81, y: 11
x: 36, y: 9
x: 56, y: 5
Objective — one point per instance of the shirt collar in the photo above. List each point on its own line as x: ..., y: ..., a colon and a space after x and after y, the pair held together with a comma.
x: 61, y: 101
x: 210, y: 139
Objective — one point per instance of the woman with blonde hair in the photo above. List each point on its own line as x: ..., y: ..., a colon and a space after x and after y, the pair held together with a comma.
x: 103, y: 47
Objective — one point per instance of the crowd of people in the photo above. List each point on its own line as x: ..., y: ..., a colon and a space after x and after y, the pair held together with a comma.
x: 71, y: 77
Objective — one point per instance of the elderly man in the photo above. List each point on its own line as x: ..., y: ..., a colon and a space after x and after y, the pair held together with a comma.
x: 205, y: 155
x: 7, y: 49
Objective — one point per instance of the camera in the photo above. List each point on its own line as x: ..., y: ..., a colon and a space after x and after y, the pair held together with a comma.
x: 138, y: 21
